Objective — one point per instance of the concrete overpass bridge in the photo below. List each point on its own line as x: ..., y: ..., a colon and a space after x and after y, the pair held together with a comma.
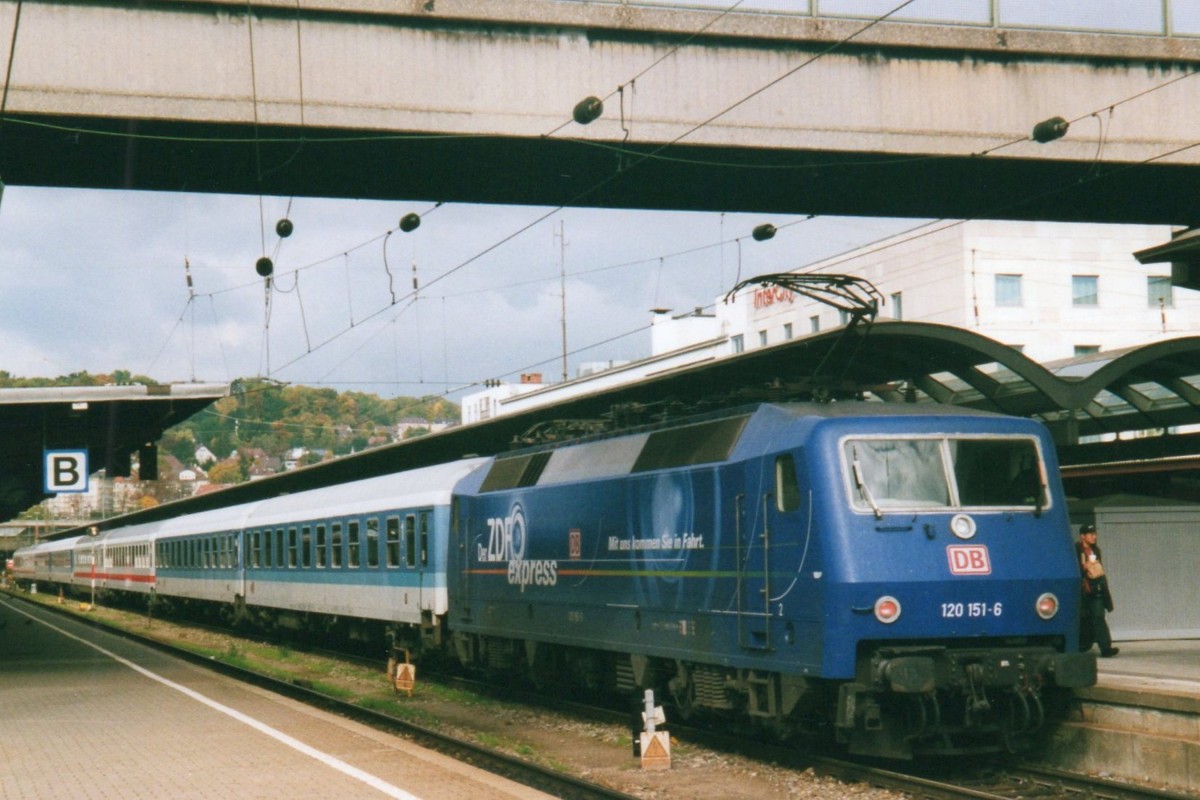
x: 472, y: 101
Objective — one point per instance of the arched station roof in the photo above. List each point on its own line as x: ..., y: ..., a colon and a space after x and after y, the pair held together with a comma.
x: 1156, y: 385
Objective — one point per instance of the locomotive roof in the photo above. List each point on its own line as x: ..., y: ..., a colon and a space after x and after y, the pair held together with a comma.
x: 689, y: 441
x: 863, y: 408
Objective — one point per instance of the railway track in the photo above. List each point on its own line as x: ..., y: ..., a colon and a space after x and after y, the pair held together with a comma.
x: 947, y: 781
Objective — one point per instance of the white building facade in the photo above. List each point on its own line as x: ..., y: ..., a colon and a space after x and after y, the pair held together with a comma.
x: 1051, y: 290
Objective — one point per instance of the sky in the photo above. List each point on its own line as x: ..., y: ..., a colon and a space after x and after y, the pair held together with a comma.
x: 96, y: 281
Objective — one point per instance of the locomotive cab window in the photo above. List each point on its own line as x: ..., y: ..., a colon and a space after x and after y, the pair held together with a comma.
x: 787, y: 490
x: 911, y: 473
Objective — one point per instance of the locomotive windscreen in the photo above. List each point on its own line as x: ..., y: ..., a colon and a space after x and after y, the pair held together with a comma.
x: 940, y: 472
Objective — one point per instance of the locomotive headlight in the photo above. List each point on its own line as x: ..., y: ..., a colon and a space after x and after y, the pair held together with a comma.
x: 887, y: 610
x: 1047, y: 606
x: 962, y: 526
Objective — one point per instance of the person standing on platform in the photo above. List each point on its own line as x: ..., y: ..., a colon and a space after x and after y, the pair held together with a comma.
x: 1097, y: 596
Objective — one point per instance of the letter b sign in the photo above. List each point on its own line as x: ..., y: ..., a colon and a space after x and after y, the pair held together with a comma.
x: 65, y: 471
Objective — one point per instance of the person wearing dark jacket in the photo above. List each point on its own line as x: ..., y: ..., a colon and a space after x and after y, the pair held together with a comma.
x: 1097, y: 597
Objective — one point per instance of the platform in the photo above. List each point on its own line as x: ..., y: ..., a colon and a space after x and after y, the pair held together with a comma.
x: 1141, y: 722
x: 84, y: 713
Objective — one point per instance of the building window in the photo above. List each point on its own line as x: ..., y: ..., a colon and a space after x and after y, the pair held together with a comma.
x: 843, y: 316
x: 1085, y: 290
x: 814, y: 324
x: 1086, y: 349
x: 762, y: 338
x: 738, y: 343
x: 787, y: 331
x: 898, y: 306
x: 1008, y: 290
x: 1159, y: 292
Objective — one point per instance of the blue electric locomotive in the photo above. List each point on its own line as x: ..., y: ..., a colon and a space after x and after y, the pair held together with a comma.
x: 904, y: 574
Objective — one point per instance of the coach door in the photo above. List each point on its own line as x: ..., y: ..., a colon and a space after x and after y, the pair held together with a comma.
x: 458, y: 571
x: 416, y: 557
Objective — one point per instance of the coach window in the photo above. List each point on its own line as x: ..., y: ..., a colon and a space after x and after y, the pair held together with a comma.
x: 424, y: 538
x: 335, y: 546
x: 293, y: 542
x: 787, y: 490
x: 393, y: 541
x: 321, y: 544
x: 410, y: 540
x: 306, y: 546
x: 280, y: 552
x: 352, y: 535
x: 372, y: 542
x: 256, y: 549
x: 267, y: 562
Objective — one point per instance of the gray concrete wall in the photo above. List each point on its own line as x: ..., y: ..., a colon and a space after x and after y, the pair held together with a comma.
x: 1152, y: 557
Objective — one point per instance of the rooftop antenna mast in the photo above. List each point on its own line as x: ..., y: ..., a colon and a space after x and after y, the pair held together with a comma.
x: 187, y: 271
x: 562, y: 279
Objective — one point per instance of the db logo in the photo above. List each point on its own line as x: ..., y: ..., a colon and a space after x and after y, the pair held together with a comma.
x: 969, y: 559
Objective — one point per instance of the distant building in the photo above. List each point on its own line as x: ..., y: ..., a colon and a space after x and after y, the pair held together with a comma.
x: 1048, y: 289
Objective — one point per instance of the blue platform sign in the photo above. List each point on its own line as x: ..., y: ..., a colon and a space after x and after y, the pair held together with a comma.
x: 65, y: 471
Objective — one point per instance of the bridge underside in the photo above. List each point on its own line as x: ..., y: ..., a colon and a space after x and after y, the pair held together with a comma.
x: 472, y: 100
x: 192, y: 157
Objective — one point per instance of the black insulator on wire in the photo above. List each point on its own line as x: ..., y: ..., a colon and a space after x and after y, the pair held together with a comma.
x: 284, y: 228
x: 410, y: 222
x: 764, y: 232
x: 588, y: 110
x: 1050, y: 129
x: 264, y: 267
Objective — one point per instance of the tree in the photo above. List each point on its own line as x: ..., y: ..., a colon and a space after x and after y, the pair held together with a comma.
x: 226, y: 472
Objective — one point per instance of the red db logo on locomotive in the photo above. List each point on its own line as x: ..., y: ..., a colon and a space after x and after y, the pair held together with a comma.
x: 969, y: 559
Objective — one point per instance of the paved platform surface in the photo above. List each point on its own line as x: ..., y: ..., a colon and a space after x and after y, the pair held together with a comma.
x: 84, y: 714
x: 1167, y: 668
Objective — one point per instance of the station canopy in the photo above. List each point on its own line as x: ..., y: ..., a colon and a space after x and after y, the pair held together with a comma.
x: 107, y: 423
